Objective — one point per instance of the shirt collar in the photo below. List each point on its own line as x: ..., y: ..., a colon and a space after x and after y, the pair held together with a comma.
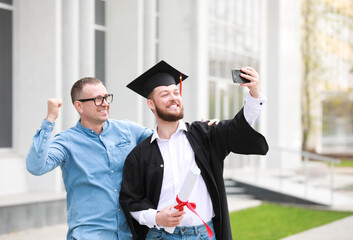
x: 91, y: 131
x: 181, y: 127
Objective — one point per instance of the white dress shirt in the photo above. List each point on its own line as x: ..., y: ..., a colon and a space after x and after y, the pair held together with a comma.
x: 178, y: 157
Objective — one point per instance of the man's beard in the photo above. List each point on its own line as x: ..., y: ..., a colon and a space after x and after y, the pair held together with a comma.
x: 169, y: 117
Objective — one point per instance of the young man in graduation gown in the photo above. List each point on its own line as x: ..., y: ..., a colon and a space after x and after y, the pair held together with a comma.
x: 155, y: 169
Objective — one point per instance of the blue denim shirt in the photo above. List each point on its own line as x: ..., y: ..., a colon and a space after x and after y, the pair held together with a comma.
x: 91, y: 167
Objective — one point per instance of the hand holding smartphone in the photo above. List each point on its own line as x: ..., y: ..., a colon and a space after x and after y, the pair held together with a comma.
x: 237, y: 78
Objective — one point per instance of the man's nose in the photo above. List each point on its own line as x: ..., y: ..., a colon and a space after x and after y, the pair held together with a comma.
x: 105, y: 102
x: 173, y: 96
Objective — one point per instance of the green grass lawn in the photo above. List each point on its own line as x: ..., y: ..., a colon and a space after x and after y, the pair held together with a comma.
x: 272, y: 221
x: 345, y: 163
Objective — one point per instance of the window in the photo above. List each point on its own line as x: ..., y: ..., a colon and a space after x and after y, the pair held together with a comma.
x: 212, y: 100
x: 337, y: 120
x: 6, y: 73
x: 231, y: 33
x: 157, y: 29
x: 100, y: 30
x: 9, y: 2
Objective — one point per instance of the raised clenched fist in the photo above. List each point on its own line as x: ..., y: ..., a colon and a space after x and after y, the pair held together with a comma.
x: 53, y: 108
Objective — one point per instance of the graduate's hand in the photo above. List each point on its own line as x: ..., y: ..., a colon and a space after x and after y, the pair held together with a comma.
x: 168, y: 218
x: 53, y: 108
x: 254, y: 79
x: 211, y: 122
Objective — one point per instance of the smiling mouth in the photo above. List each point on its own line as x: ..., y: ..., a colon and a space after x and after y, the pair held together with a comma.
x: 105, y: 110
x: 173, y: 106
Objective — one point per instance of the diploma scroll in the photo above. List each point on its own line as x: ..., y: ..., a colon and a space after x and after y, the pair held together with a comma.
x: 185, y: 190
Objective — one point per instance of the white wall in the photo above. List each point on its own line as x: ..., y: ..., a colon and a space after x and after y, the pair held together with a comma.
x: 179, y: 28
x: 37, y: 77
x: 282, y: 78
x: 54, y: 47
x: 124, y: 57
x: 290, y: 74
x: 149, y: 52
x: 70, y: 58
x: 12, y: 177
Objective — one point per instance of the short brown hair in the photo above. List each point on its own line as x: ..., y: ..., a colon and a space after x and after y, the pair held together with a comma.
x: 78, y: 85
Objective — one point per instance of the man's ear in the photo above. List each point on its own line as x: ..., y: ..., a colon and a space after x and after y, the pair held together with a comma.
x: 78, y: 106
x: 150, y: 104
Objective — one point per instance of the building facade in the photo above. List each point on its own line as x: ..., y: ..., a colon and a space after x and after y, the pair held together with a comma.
x: 335, y: 37
x: 46, y: 45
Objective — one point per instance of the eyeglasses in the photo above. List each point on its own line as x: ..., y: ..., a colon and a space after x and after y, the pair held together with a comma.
x: 98, y: 101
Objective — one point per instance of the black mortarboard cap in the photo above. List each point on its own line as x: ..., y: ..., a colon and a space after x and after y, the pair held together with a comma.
x: 161, y: 74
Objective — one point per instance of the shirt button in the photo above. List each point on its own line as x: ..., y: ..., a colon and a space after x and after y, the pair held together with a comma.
x: 44, y: 140
x: 161, y: 165
x: 115, y: 190
x: 108, y: 152
x: 112, y: 171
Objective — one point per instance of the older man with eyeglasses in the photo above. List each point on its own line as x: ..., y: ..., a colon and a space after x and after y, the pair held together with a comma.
x: 91, y: 156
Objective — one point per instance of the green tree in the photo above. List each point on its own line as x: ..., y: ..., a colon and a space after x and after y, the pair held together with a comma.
x: 311, y: 66
x: 325, y: 25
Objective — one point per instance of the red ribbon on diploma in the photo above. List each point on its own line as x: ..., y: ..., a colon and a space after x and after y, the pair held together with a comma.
x: 192, y: 206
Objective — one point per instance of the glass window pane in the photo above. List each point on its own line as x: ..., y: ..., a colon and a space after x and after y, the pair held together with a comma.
x: 229, y: 48
x: 231, y: 101
x: 6, y: 1
x: 221, y: 107
x: 6, y: 78
x: 100, y: 54
x: 100, y: 12
x: 212, y: 100
x: 157, y: 27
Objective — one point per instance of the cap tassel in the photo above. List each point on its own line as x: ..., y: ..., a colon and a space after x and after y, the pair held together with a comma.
x: 181, y: 83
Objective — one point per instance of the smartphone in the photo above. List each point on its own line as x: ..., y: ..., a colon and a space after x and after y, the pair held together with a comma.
x: 237, y: 78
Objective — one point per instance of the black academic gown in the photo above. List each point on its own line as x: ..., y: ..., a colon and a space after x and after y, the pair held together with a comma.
x: 143, y: 169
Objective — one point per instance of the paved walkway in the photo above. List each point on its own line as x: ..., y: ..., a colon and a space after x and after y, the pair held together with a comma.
x: 340, y: 229
x: 312, y: 183
x: 56, y: 232
x: 292, y: 182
